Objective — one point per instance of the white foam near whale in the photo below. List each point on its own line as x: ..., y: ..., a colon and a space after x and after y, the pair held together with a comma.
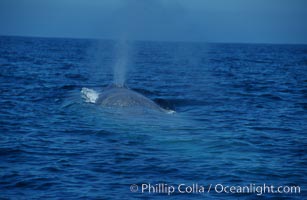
x: 89, y: 95
x: 120, y: 96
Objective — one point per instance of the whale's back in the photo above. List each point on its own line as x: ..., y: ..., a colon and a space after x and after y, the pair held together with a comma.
x: 124, y: 97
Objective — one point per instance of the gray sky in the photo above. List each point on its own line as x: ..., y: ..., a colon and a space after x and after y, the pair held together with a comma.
x: 260, y: 21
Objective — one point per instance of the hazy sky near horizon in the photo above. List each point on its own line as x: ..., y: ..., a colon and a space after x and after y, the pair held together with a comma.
x: 255, y: 21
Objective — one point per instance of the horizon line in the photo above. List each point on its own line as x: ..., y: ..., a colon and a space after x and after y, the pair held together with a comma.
x: 152, y: 40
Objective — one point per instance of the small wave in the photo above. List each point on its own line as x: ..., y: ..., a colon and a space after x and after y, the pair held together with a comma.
x: 69, y: 87
x: 271, y: 96
x: 260, y: 128
x: 76, y: 77
x: 303, y: 105
x: 10, y: 151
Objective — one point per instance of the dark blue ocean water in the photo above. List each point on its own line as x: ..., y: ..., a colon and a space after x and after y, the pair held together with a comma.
x: 240, y: 119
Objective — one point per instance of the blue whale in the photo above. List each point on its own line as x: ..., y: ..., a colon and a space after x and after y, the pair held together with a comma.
x: 120, y: 96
